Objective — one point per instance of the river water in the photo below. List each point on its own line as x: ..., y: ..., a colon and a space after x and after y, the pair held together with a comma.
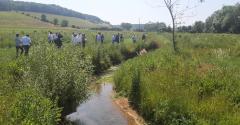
x: 99, y: 109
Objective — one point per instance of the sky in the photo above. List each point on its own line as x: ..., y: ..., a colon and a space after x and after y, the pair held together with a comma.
x: 143, y: 11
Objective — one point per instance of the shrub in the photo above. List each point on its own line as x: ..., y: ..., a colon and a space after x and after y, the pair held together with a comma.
x: 64, y: 23
x: 60, y: 75
x: 100, y: 60
x: 115, y: 55
x: 30, y: 107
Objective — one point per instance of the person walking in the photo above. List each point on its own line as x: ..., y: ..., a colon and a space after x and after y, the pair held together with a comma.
x: 134, y: 39
x: 117, y: 38
x: 50, y: 37
x: 84, y: 39
x: 113, y: 39
x: 79, y: 39
x: 26, y: 42
x: 74, y: 39
x: 102, y: 38
x: 18, y: 45
x: 121, y: 38
x: 99, y: 37
x: 59, y: 40
x: 144, y: 37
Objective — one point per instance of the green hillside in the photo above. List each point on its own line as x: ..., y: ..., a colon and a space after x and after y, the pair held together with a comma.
x: 72, y: 20
x: 32, y: 20
x: 10, y: 5
x: 13, y: 19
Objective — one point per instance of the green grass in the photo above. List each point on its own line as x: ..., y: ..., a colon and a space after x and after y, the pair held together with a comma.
x: 72, y: 20
x: 197, y: 86
x: 32, y: 20
x: 51, y: 82
x: 14, y: 20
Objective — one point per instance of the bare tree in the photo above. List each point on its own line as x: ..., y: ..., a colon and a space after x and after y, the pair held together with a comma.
x: 171, y: 6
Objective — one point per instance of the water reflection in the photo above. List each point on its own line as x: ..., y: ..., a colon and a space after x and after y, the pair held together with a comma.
x: 98, y: 110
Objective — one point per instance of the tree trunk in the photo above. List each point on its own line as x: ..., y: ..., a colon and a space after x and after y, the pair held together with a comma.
x: 173, y: 36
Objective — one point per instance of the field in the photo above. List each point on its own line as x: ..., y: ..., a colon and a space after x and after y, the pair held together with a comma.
x: 13, y: 19
x: 72, y: 20
x: 48, y: 84
x: 32, y: 20
x: 197, y: 86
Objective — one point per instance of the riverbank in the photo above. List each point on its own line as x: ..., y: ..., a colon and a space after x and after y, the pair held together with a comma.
x: 122, y: 103
x: 102, y: 108
x: 132, y: 116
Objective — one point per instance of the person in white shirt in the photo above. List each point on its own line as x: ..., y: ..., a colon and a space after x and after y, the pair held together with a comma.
x: 50, y: 37
x: 26, y: 42
x: 99, y: 37
x: 79, y: 39
x: 134, y: 39
x: 18, y: 45
x: 74, y: 39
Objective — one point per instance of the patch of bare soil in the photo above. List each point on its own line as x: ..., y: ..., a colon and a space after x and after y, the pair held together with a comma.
x: 204, y: 68
x: 131, y: 115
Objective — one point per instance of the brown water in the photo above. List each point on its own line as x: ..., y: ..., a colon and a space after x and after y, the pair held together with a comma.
x: 99, y: 109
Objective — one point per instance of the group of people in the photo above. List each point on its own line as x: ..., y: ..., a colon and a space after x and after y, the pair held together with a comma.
x: 55, y: 38
x: 23, y: 44
x: 79, y: 39
x: 117, y: 38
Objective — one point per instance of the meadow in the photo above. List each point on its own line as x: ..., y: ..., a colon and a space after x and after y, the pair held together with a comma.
x: 199, y: 85
x: 48, y: 84
x: 72, y: 20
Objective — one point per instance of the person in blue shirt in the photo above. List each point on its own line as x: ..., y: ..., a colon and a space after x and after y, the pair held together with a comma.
x: 26, y: 42
x: 18, y: 45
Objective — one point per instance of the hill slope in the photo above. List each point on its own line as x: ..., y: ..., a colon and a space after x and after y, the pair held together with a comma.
x: 9, y: 5
x: 72, y: 20
x: 13, y: 19
x: 32, y: 19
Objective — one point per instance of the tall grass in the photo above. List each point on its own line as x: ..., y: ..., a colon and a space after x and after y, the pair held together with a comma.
x: 198, y: 86
x: 48, y: 84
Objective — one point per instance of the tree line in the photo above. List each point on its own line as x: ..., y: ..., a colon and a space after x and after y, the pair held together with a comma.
x: 55, y: 21
x: 225, y: 20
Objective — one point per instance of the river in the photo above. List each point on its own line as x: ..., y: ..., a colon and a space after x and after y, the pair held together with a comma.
x: 99, y: 109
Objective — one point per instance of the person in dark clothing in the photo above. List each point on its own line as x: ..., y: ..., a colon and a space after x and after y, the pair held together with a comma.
x: 117, y: 38
x: 84, y: 40
x: 18, y: 45
x: 121, y: 38
x: 102, y: 38
x: 144, y: 37
x: 58, y: 41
